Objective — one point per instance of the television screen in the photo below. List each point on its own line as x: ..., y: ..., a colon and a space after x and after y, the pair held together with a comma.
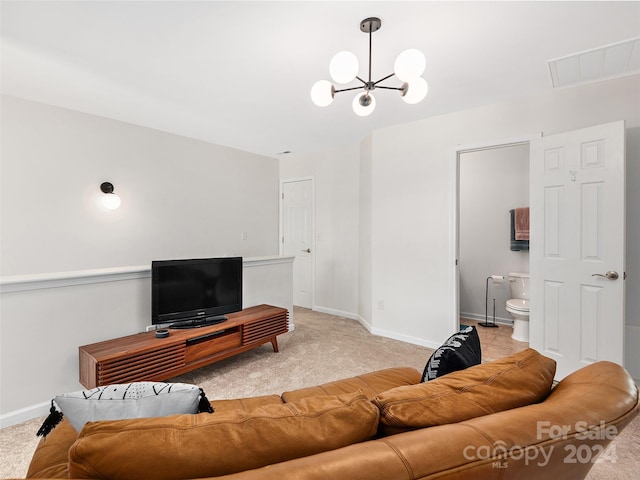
x: 195, y: 292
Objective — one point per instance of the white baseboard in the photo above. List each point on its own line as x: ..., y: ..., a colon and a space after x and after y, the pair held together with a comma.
x: 396, y: 336
x: 480, y: 318
x: 364, y: 323
x: 404, y: 338
x: 24, y: 414
x: 337, y: 313
x: 419, y: 341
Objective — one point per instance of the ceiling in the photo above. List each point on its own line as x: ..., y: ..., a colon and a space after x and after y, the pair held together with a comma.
x: 239, y: 73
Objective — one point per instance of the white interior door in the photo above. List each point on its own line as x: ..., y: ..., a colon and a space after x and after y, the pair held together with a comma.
x: 577, y: 246
x: 297, y: 236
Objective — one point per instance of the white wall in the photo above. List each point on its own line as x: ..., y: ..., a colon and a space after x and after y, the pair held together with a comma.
x: 181, y: 198
x: 336, y: 178
x: 492, y: 182
x: 412, y: 198
x: 41, y: 331
x: 632, y: 292
x: 365, y: 275
x: 269, y: 280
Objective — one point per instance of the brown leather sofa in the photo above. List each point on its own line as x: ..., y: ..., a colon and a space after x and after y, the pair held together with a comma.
x: 499, y: 420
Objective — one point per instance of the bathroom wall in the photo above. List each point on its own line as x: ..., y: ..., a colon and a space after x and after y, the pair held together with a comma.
x: 492, y: 182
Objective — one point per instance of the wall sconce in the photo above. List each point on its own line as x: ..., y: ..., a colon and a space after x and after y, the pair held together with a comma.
x: 109, y: 200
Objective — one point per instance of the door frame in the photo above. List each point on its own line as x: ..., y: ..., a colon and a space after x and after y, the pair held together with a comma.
x: 283, y: 181
x: 454, y: 248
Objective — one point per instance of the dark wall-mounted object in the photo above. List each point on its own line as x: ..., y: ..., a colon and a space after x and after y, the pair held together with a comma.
x: 516, y: 245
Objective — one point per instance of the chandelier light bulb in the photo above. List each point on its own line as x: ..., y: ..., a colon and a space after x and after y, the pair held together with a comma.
x: 416, y: 91
x: 344, y: 67
x: 364, y: 104
x: 322, y: 93
x: 409, y: 65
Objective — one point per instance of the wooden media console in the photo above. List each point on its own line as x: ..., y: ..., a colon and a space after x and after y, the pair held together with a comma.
x: 144, y: 357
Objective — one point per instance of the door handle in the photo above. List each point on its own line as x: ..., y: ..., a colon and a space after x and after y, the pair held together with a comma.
x: 308, y: 250
x: 611, y: 275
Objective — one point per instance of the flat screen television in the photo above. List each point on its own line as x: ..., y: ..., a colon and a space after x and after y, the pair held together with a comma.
x: 195, y: 293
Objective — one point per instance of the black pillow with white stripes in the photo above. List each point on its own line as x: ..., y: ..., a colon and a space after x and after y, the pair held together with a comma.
x: 461, y: 350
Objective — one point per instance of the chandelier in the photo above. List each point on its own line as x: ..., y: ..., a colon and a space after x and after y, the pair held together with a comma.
x: 344, y: 67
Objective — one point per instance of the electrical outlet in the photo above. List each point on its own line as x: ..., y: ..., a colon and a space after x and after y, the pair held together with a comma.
x: 380, y: 304
x: 244, y: 235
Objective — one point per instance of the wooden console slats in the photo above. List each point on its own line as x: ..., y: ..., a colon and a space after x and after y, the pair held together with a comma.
x: 261, y: 330
x: 146, y: 365
x: 143, y: 357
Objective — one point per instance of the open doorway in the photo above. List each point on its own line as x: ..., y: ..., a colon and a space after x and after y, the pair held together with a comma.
x: 492, y: 183
x: 491, y: 179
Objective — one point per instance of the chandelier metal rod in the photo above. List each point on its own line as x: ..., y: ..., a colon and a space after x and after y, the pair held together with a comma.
x: 383, y: 79
x: 370, y: 37
x: 348, y: 89
x: 387, y: 88
x: 371, y: 85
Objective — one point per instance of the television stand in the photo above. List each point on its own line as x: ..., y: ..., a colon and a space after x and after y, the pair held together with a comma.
x: 144, y: 357
x: 198, y: 322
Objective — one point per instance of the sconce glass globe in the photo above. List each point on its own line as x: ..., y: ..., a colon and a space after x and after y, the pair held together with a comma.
x: 409, y: 65
x: 344, y: 67
x: 111, y: 201
x: 322, y: 93
x: 364, y: 104
x: 417, y: 89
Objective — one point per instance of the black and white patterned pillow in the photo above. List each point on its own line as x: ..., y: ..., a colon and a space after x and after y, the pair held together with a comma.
x: 120, y: 401
x: 461, y: 350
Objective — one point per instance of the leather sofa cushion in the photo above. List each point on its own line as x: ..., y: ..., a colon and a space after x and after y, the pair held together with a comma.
x: 50, y: 460
x: 246, y: 404
x: 369, y: 384
x: 520, y: 379
x: 195, y: 446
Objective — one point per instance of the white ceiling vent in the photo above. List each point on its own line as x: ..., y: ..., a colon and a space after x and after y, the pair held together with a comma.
x: 609, y: 61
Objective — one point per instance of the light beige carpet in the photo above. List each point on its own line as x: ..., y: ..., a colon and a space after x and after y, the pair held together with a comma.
x: 322, y: 348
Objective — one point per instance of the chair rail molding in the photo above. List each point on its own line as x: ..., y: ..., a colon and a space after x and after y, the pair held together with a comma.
x: 40, y: 281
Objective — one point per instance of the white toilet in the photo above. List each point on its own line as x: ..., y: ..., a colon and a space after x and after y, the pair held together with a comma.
x: 518, y: 305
